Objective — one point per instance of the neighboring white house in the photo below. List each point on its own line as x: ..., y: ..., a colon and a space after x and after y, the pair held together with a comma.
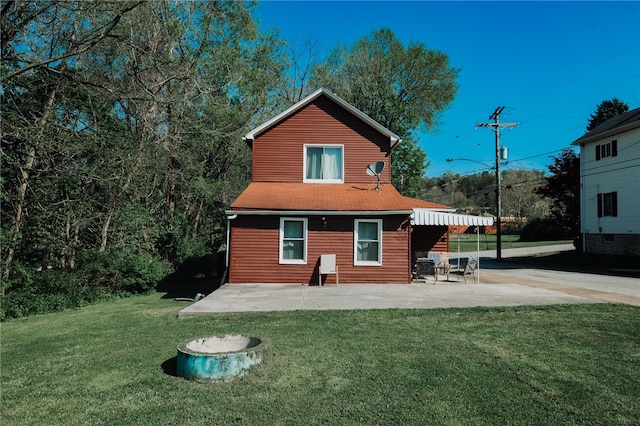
x: 610, y: 186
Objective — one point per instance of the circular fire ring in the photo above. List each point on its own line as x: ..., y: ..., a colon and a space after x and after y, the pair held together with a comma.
x: 218, y: 358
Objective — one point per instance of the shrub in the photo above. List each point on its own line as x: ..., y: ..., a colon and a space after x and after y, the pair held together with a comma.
x: 547, y: 229
x: 31, y: 291
x: 39, y: 292
x: 124, y: 271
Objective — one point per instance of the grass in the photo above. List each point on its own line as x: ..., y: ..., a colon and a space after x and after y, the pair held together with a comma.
x: 469, y: 242
x: 114, y: 364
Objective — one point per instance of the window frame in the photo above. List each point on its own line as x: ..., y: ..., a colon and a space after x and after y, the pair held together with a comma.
x: 607, y: 150
x: 305, y: 239
x: 356, y: 224
x: 608, y: 238
x: 304, y: 163
x: 607, y: 204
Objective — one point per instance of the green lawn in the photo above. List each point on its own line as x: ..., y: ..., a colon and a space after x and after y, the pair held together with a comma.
x: 469, y: 242
x: 113, y: 363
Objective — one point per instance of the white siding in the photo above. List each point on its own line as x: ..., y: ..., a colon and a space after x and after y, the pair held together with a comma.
x: 619, y: 174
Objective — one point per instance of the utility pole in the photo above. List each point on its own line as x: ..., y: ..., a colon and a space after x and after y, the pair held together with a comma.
x: 496, y: 125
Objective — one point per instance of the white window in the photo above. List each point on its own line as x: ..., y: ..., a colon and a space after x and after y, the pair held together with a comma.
x: 367, y: 242
x: 323, y: 163
x: 608, y: 204
x: 293, y: 240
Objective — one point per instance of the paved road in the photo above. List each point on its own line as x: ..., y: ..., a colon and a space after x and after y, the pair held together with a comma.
x: 502, y: 283
x: 594, y: 281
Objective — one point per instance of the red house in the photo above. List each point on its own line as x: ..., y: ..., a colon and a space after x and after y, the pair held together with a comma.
x: 311, y: 195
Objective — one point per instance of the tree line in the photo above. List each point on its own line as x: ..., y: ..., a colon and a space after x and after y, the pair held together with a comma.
x: 476, y: 193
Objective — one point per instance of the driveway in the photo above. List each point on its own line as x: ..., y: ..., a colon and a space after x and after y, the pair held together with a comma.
x: 501, y: 284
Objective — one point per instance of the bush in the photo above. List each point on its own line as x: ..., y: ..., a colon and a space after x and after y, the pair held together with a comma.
x: 40, y: 292
x: 124, y: 271
x: 511, y: 228
x: 547, y: 229
x: 31, y: 291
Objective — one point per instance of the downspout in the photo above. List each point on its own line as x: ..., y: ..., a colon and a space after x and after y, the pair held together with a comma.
x: 226, y: 255
x: 582, y: 200
x: 410, y: 229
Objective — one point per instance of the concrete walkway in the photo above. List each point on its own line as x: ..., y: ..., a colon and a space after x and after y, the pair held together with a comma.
x: 500, y: 285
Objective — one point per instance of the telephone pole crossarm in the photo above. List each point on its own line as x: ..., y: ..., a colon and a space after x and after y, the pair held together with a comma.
x: 496, y: 125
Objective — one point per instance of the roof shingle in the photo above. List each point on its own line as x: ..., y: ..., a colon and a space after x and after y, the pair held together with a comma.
x: 326, y: 197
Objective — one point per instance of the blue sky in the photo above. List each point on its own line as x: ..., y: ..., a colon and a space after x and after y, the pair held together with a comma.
x: 548, y: 63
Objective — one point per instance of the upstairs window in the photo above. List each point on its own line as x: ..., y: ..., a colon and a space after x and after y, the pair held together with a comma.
x: 608, y: 204
x: 367, y: 242
x: 609, y: 149
x: 293, y: 240
x: 323, y: 164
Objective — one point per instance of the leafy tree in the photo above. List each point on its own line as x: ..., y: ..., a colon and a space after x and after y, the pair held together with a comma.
x: 480, y: 190
x: 445, y: 190
x: 122, y: 125
x: 41, y: 103
x: 408, y: 165
x: 606, y: 110
x: 562, y: 187
x: 518, y: 197
x: 402, y: 88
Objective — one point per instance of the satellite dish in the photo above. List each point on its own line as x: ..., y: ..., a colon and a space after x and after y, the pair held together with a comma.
x: 374, y: 169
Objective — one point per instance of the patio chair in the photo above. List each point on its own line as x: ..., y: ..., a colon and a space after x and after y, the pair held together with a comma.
x: 442, y: 267
x: 426, y: 267
x: 469, y: 268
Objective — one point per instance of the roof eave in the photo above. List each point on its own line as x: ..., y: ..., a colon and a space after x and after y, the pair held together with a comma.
x: 588, y: 138
x: 316, y: 212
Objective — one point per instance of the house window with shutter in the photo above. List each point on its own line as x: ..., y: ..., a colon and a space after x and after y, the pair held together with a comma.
x: 293, y: 240
x: 323, y: 163
x: 367, y: 242
x: 609, y: 149
x: 608, y: 204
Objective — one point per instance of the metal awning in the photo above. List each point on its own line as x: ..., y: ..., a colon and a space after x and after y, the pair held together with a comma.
x: 432, y: 217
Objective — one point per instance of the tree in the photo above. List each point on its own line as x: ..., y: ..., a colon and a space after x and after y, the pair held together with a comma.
x: 445, y: 190
x: 41, y: 103
x: 606, y: 110
x: 563, y: 189
x: 402, y: 88
x: 301, y: 57
x: 518, y: 197
x: 122, y: 129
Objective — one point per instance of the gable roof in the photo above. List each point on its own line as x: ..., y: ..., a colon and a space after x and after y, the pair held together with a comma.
x: 393, y: 138
x: 619, y: 124
x: 308, y: 197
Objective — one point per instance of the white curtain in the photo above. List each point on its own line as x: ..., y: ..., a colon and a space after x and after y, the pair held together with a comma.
x: 332, y: 163
x: 324, y: 163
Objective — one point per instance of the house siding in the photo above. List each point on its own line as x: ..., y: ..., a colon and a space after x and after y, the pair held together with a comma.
x: 430, y: 238
x: 602, y: 175
x: 278, y: 153
x: 254, y: 256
